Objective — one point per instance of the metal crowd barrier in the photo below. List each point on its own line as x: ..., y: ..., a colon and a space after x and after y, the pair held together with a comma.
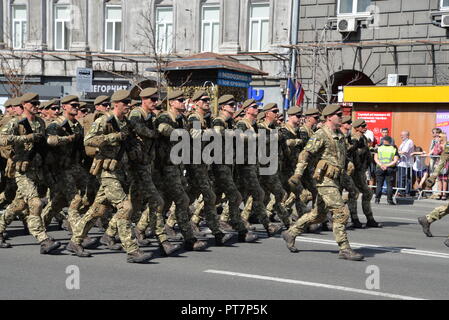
x: 432, y: 163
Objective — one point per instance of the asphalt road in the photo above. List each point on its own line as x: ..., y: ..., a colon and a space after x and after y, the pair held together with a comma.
x: 401, y: 263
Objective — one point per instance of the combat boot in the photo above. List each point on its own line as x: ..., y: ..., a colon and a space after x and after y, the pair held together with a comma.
x: 315, y: 228
x: 99, y: 225
x: 247, y: 236
x: 196, y: 231
x: 446, y: 242
x: 167, y: 249
x: 77, y: 250
x: 290, y: 241
x: 171, y: 233
x: 89, y: 243
x: 66, y: 225
x: 149, y: 233
x: 248, y: 225
x: 225, y: 226
x: 110, y: 243
x: 138, y: 257
x: 425, y: 224
x: 195, y: 245
x: 26, y: 231
x: 272, y: 229
x: 371, y: 223
x: 140, y: 236
x: 356, y: 224
x: 48, y: 246
x: 349, y: 254
x: 221, y: 238
x: 3, y: 243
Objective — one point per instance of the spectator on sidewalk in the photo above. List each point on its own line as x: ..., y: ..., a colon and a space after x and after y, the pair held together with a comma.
x: 406, y: 162
x: 435, y: 140
x: 420, y: 170
x: 386, y: 159
x: 443, y: 174
x: 386, y: 133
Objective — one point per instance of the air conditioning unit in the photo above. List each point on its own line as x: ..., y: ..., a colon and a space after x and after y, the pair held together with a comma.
x: 347, y: 24
x: 445, y: 21
x: 397, y: 80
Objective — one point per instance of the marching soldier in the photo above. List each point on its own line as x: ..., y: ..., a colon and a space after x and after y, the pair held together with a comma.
x: 326, y: 148
x: 112, y: 136
x: 27, y: 137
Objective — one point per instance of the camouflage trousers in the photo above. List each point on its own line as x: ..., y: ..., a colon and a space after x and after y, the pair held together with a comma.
x: 9, y: 192
x: 359, y: 178
x: 353, y: 194
x: 224, y: 184
x: 250, y: 186
x: 27, y: 198
x: 297, y: 197
x: 438, y: 213
x: 329, y: 200
x: 200, y: 184
x: 147, y: 202
x: 63, y: 192
x: 173, y: 192
x: 110, y: 193
x: 272, y: 185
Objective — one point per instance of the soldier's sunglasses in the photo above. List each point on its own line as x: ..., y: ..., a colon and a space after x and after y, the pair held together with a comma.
x: 182, y: 100
x: 232, y: 104
x: 363, y: 126
x: 275, y: 111
x: 55, y: 108
x: 206, y: 100
x: 75, y: 105
x: 154, y: 99
x: 340, y: 115
x: 35, y: 103
x: 106, y: 105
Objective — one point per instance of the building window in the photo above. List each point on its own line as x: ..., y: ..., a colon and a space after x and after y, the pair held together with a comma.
x: 210, y: 26
x: 164, y: 28
x: 113, y: 28
x: 259, y: 27
x: 353, y: 7
x: 444, y: 4
x: 62, y: 21
x: 19, y: 26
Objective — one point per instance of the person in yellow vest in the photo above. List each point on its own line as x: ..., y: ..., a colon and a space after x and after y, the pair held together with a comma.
x: 386, y: 159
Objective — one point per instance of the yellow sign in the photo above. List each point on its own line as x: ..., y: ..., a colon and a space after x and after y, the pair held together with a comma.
x: 375, y: 94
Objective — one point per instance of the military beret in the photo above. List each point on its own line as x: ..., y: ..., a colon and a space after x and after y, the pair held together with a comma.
x: 312, y: 112
x: 135, y: 103
x: 49, y: 103
x: 198, y: 94
x: 101, y: 99
x: 346, y: 119
x: 16, y: 102
x: 29, y: 97
x: 270, y: 106
x: 8, y: 103
x: 45, y: 104
x: 260, y: 116
x: 178, y: 94
x: 248, y: 102
x: 148, y: 92
x: 358, y: 123
x: 239, y: 113
x: 68, y: 99
x: 83, y: 104
x: 225, y: 99
x: 121, y: 95
x: 330, y: 110
x: 293, y: 111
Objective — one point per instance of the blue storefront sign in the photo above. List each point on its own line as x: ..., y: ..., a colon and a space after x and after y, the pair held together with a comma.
x: 233, y: 79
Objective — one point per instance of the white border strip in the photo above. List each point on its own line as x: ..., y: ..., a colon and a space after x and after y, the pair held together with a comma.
x: 314, y: 284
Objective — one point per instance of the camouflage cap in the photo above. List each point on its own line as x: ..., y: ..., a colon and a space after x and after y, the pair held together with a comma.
x: 101, y: 99
x: 148, y: 92
x: 270, y: 106
x: 312, y: 112
x: 260, y: 116
x: 16, y: 102
x: 198, y: 94
x: 83, y: 104
x: 27, y: 97
x: 346, y: 119
x: 240, y: 113
x: 178, y: 94
x: 248, y: 102
x: 227, y: 98
x: 358, y: 123
x: 294, y: 111
x: 68, y: 99
x: 121, y: 95
x: 331, y: 109
x: 135, y: 103
x: 45, y: 104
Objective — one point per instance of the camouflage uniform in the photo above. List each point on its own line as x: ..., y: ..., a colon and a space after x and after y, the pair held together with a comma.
x: 66, y: 151
x: 110, y: 146
x: 328, y: 151
x: 29, y: 155
x: 308, y: 183
x: 9, y: 186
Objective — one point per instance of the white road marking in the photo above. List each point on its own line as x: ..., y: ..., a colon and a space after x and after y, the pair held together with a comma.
x: 377, y: 247
x: 313, y: 284
x: 396, y: 218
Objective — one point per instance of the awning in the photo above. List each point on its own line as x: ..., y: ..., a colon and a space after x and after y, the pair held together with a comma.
x: 406, y: 94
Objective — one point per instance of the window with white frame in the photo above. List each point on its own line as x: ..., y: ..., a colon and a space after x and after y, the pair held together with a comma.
x: 444, y: 4
x: 353, y: 7
x: 113, y: 28
x: 62, y: 21
x: 259, y: 27
x: 210, y: 26
x: 164, y: 29
x: 19, y: 26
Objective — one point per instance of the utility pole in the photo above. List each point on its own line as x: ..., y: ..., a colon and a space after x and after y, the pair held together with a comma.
x: 294, y: 39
